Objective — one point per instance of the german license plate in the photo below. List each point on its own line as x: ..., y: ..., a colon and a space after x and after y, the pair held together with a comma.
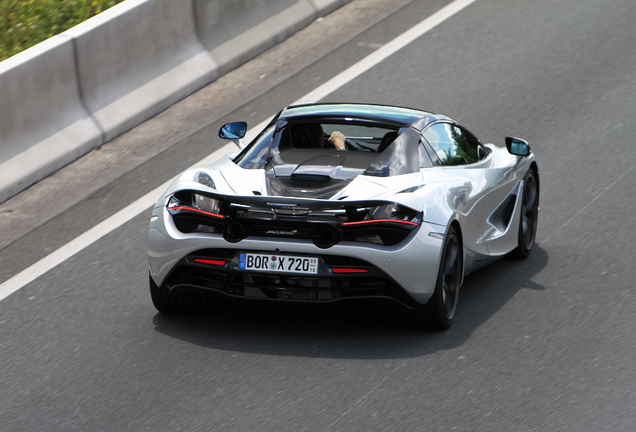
x: 278, y: 263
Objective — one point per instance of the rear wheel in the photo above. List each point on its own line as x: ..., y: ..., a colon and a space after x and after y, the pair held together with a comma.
x: 160, y: 297
x: 439, y: 312
x: 529, y: 216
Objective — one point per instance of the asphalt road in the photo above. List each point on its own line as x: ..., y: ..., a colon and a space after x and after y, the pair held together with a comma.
x: 543, y: 344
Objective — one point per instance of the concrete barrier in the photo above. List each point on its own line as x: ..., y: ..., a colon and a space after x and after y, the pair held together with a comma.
x: 236, y: 31
x: 73, y: 92
x: 138, y: 58
x: 43, y: 124
x: 323, y: 7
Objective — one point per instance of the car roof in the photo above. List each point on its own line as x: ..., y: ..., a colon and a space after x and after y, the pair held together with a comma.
x: 381, y: 113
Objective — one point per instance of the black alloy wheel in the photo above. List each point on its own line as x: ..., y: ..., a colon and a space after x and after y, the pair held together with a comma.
x: 529, y: 216
x: 440, y: 310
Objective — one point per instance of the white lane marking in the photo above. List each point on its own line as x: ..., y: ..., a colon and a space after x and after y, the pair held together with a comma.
x: 382, y: 53
x: 81, y: 242
x: 98, y: 231
x: 121, y: 217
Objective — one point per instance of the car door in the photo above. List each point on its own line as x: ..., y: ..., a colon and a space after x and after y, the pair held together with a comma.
x: 502, y: 187
x: 495, y: 172
x: 489, y: 225
x: 458, y: 156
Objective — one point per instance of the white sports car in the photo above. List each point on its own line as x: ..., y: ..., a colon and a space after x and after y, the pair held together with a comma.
x: 344, y: 202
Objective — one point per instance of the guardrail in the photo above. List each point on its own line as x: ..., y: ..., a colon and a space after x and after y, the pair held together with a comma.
x: 73, y: 92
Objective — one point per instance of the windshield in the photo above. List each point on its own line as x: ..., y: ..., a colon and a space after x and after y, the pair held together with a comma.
x: 312, y: 146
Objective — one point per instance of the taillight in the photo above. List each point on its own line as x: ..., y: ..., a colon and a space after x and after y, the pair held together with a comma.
x: 371, y: 221
x: 177, y: 206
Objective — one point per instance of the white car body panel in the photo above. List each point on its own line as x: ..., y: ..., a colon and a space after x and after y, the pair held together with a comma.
x: 483, y: 199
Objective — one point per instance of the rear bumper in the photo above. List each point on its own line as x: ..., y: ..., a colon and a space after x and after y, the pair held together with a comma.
x: 403, y: 273
x: 217, y: 271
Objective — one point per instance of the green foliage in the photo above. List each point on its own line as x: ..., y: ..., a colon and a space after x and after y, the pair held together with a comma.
x: 24, y: 23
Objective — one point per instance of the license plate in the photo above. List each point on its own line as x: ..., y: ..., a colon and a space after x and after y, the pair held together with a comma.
x: 278, y: 263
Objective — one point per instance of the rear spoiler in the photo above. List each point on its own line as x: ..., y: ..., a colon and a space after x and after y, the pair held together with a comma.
x: 284, y: 203
x: 410, y: 200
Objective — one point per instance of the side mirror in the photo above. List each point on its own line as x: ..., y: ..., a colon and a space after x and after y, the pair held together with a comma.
x: 234, y: 131
x: 517, y: 146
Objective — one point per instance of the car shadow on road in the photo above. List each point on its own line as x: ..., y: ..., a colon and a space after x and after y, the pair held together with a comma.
x: 355, y: 332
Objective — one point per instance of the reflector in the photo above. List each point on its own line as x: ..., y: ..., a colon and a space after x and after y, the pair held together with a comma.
x: 348, y: 270
x: 210, y: 261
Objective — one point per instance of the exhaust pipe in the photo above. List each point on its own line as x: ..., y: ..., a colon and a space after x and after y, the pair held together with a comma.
x: 326, y: 237
x: 235, y: 232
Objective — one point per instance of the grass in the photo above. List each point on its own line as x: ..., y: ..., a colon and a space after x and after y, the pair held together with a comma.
x: 24, y: 23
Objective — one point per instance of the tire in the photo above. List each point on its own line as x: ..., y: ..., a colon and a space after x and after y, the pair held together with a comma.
x: 528, y: 218
x: 160, y: 297
x: 440, y: 310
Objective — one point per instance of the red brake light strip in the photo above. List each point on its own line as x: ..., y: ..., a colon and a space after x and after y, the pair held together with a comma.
x: 379, y: 220
x: 197, y: 211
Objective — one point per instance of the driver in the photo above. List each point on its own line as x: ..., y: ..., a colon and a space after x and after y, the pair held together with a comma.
x: 336, y: 139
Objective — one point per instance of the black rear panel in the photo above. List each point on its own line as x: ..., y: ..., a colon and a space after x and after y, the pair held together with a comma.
x: 323, y: 287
